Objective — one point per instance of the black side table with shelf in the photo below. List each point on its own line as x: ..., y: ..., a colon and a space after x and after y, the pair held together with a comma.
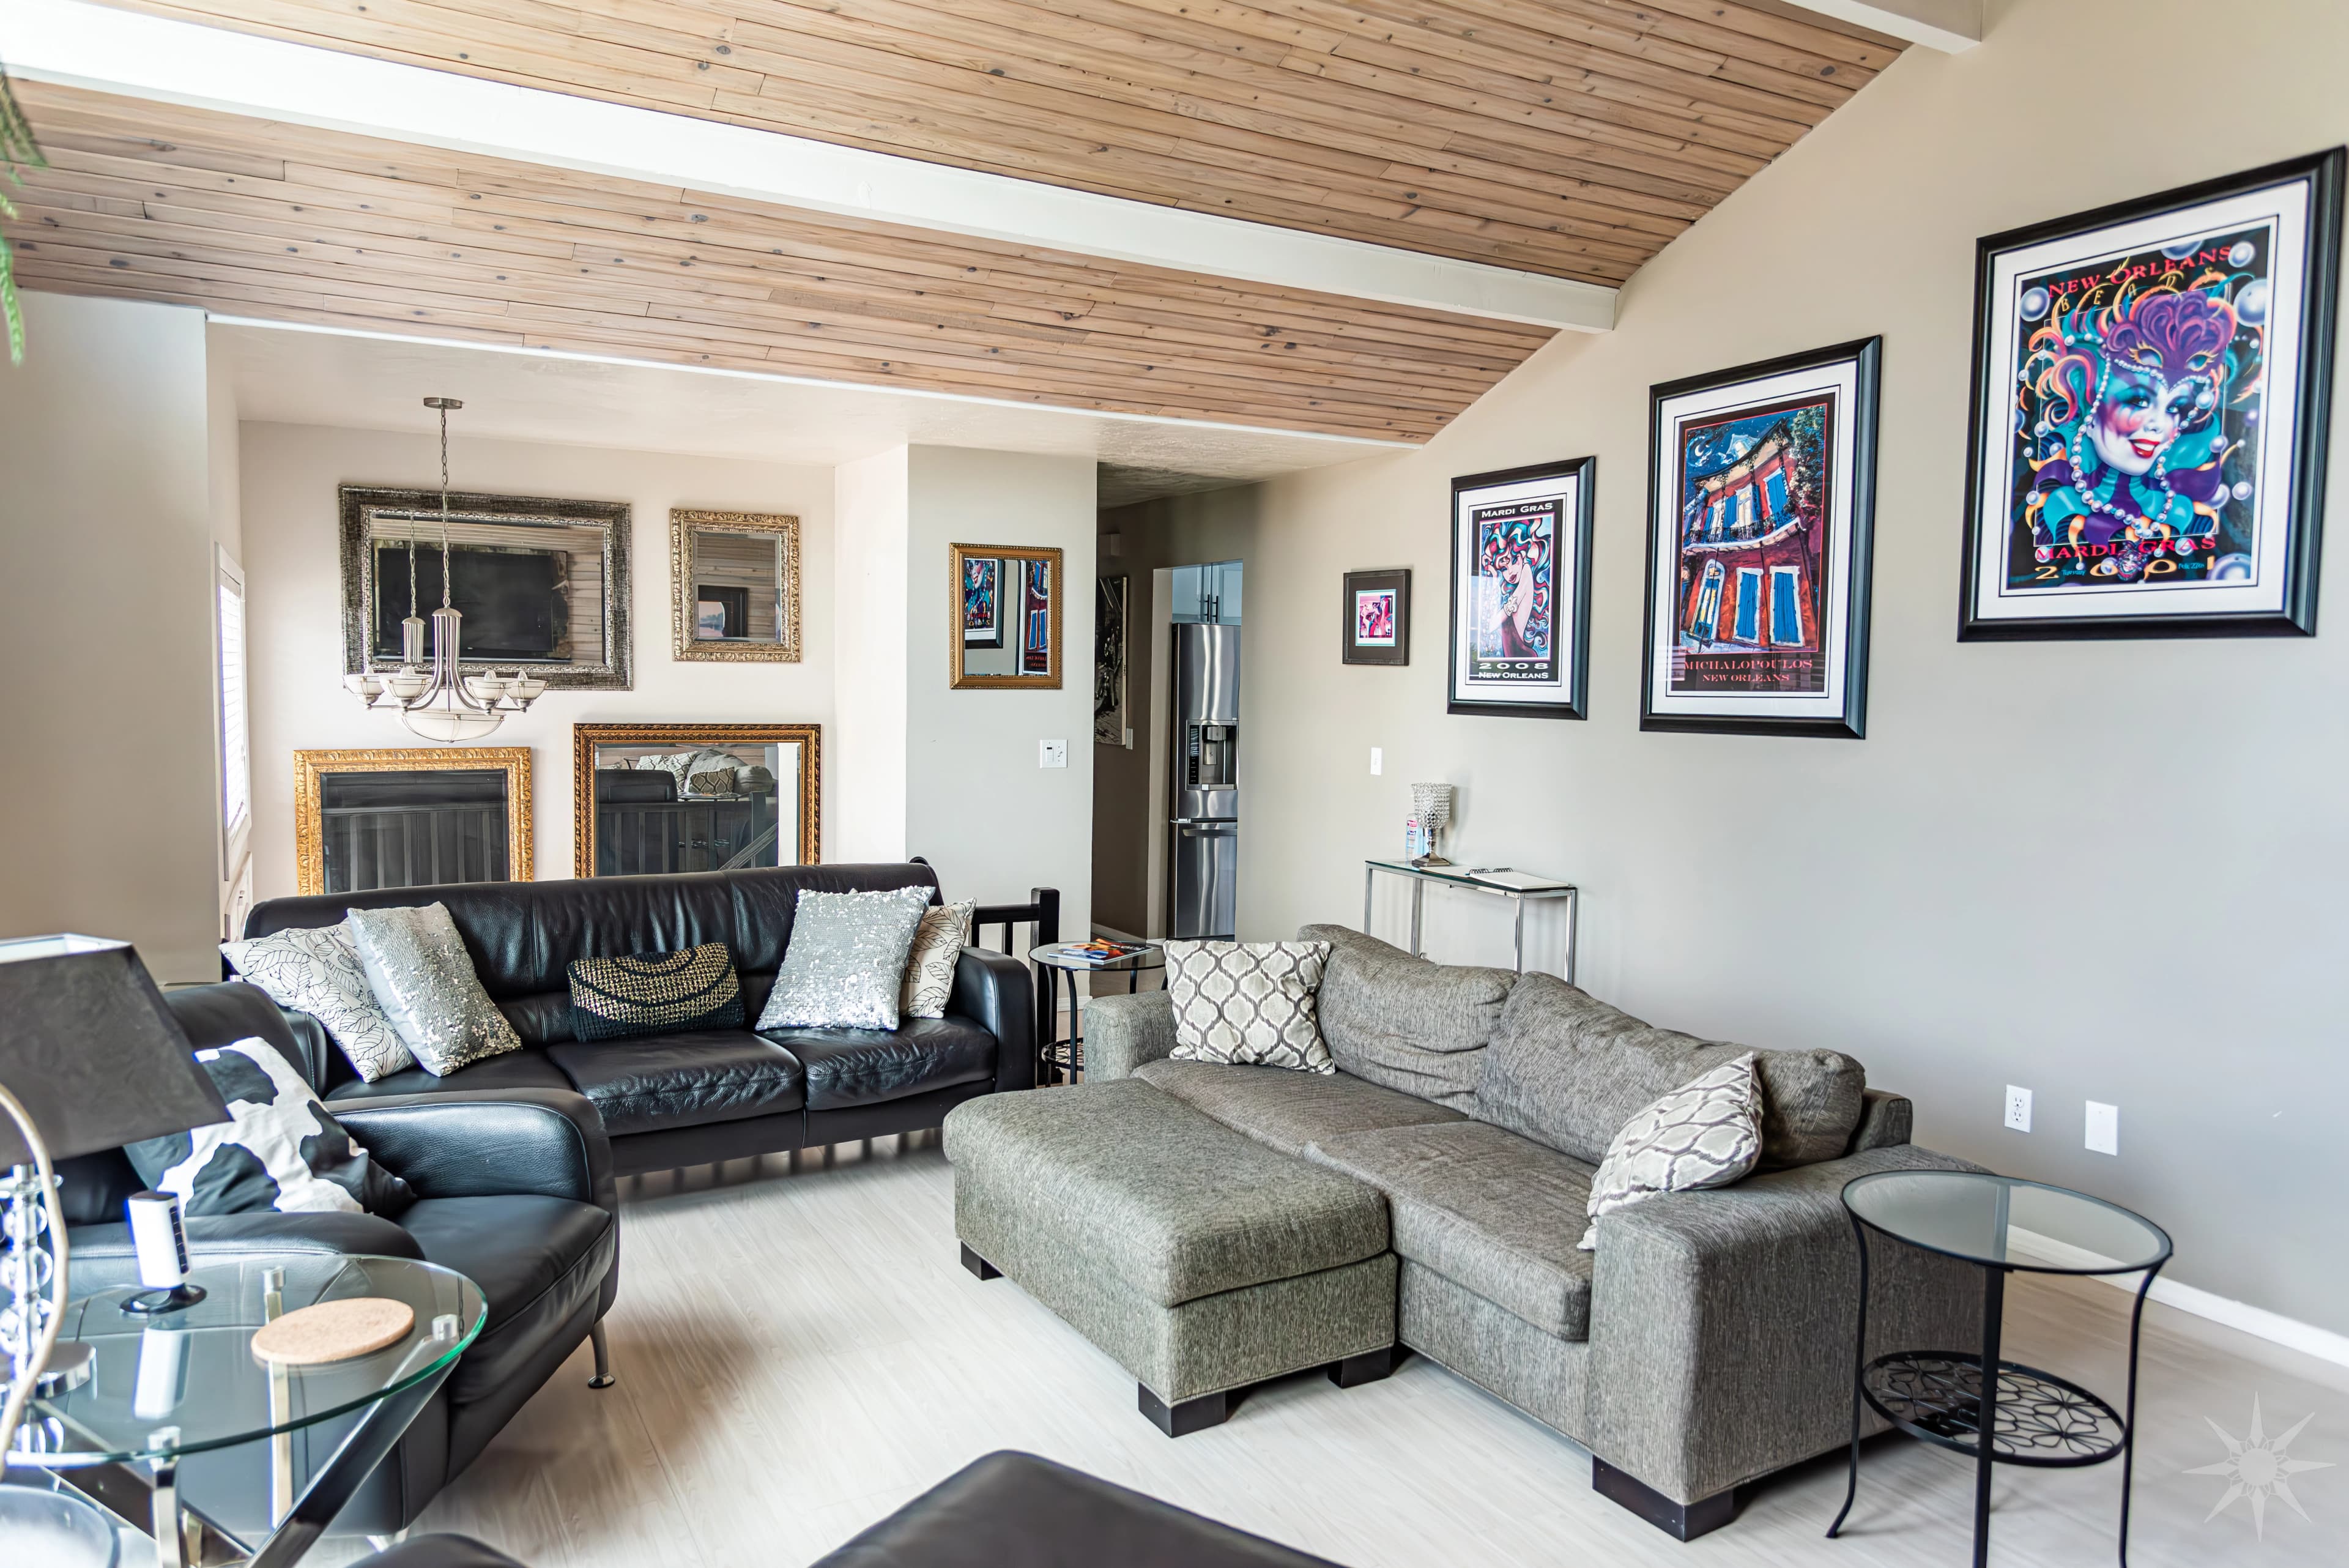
x: 2032, y: 1418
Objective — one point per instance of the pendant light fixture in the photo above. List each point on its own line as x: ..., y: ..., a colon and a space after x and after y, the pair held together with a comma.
x: 439, y: 702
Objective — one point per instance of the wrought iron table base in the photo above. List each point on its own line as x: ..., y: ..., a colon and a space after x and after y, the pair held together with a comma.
x: 2032, y: 1418
x: 1059, y: 1062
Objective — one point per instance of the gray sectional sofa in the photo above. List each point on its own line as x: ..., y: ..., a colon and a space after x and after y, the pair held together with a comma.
x: 1705, y: 1342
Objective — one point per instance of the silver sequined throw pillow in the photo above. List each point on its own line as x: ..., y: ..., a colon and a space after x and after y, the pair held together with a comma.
x: 1706, y: 1133
x: 418, y: 969
x: 1249, y: 1003
x: 846, y: 962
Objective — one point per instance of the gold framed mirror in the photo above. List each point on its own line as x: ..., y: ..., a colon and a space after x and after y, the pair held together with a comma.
x: 651, y: 798
x: 412, y: 816
x: 1003, y: 618
x: 734, y: 587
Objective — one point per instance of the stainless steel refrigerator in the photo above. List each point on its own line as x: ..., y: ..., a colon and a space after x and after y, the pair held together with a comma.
x: 1203, y: 847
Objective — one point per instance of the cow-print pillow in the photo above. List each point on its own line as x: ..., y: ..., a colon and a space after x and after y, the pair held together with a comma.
x: 281, y: 1150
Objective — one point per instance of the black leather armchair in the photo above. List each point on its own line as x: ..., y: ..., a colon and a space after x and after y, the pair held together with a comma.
x: 515, y: 1190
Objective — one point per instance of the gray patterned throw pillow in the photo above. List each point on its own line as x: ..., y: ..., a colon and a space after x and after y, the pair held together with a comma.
x: 316, y: 970
x: 1248, y: 1004
x: 418, y: 969
x: 1706, y: 1133
x: 846, y: 960
x: 930, y: 969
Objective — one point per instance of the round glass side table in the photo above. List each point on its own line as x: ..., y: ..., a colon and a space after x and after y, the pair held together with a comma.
x: 175, y: 1385
x: 1057, y: 1062
x: 2031, y: 1417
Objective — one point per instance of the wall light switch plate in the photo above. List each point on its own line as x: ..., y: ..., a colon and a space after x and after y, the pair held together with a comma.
x: 2018, y: 1108
x: 1378, y: 761
x: 2104, y: 1128
x: 1051, y: 754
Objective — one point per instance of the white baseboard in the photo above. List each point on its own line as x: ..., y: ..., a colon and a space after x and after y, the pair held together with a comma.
x: 2257, y: 1321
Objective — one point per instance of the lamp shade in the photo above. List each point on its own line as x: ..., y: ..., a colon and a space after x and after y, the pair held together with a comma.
x: 87, y: 1044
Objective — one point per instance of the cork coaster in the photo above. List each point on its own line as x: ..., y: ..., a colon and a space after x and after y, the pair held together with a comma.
x: 333, y: 1331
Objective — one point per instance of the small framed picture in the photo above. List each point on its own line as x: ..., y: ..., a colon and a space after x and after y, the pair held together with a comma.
x: 1521, y: 591
x: 982, y: 601
x: 1378, y: 618
x: 2146, y: 450
x: 1761, y: 515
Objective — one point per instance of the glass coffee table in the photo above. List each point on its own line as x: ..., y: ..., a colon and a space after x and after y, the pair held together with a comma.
x: 1054, y: 1062
x: 171, y: 1391
x: 2031, y: 1417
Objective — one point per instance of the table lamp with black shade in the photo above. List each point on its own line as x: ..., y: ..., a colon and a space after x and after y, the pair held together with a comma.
x: 90, y: 1058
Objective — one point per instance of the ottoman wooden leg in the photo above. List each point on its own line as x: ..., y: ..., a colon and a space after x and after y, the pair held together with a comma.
x: 1368, y: 1367
x: 979, y: 1266
x: 1187, y: 1417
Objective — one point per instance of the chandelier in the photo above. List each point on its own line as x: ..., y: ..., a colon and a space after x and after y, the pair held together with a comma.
x: 439, y: 702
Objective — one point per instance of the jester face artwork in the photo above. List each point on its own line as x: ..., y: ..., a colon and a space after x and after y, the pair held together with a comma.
x: 2137, y: 436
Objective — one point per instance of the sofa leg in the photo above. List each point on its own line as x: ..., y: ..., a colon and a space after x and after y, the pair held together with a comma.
x: 603, y: 1378
x: 1368, y: 1367
x: 1681, y: 1520
x: 1188, y: 1416
x: 979, y: 1266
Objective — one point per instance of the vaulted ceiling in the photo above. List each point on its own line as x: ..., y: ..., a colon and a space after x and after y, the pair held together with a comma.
x: 1571, y: 138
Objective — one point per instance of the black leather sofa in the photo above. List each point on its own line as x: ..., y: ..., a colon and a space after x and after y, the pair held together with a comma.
x: 670, y: 1100
x: 515, y: 1190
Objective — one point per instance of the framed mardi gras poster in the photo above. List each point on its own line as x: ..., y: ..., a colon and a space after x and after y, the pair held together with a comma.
x: 982, y: 602
x: 1521, y: 590
x: 1761, y: 511
x: 2150, y: 413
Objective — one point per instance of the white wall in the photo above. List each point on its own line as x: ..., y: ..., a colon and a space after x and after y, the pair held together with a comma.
x: 105, y: 635
x: 871, y: 519
x: 2106, y: 870
x: 977, y: 805
x: 289, y: 476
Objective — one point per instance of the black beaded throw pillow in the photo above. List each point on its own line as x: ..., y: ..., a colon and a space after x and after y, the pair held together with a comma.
x: 655, y: 993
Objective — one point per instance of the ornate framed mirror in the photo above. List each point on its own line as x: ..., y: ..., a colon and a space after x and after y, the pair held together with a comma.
x: 412, y: 816
x: 734, y: 587
x: 1003, y: 618
x: 694, y: 797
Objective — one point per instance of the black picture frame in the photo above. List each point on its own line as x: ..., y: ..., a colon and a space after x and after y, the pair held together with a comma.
x: 1352, y: 651
x: 1572, y: 484
x: 1838, y: 711
x: 2298, y: 524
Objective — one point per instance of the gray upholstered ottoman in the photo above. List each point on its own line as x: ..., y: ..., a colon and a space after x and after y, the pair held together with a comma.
x: 1199, y: 1259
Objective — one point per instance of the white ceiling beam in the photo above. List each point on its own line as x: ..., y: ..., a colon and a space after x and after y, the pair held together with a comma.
x: 1952, y: 27
x: 94, y: 47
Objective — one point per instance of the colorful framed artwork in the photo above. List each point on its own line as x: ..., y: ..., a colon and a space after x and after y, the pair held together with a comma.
x: 1023, y: 584
x: 1761, y: 517
x: 1377, y: 617
x: 982, y: 601
x: 2150, y: 391
x: 1520, y: 640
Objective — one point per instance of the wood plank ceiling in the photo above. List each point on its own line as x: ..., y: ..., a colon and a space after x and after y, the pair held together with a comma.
x: 151, y: 201
x: 1569, y: 137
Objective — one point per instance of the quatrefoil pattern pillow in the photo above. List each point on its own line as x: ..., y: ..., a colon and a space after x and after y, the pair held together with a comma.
x: 1249, y: 1003
x: 1706, y: 1133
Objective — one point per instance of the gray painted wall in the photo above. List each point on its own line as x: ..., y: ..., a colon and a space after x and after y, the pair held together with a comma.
x: 2100, y: 870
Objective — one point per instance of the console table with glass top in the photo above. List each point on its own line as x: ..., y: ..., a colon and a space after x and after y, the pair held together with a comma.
x: 174, y: 1387
x: 1993, y: 1410
x: 1419, y: 876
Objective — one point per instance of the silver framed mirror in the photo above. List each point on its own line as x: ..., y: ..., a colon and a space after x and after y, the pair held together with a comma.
x: 543, y: 584
x: 734, y: 587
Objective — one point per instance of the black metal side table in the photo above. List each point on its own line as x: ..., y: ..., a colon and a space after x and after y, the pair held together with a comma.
x: 2031, y: 1417
x: 1056, y: 959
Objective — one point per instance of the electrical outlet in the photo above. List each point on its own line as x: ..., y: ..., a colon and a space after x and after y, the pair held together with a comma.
x: 1051, y: 754
x: 2018, y: 1108
x: 2104, y: 1128
x: 1378, y: 761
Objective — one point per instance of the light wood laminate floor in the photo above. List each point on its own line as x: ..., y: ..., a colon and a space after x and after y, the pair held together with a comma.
x: 800, y: 1352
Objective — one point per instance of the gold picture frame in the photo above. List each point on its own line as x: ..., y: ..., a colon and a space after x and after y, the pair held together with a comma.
x: 688, y: 647
x: 585, y: 738
x: 310, y: 769
x: 962, y: 676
